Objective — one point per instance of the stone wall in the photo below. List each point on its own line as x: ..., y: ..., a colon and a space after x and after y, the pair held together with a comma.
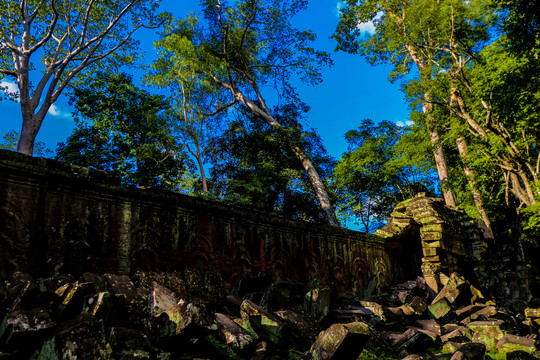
x: 56, y: 218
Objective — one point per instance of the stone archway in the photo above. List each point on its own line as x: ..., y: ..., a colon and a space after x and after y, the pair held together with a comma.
x: 447, y: 236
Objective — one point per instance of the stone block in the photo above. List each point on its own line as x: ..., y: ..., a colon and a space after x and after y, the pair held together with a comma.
x: 429, y: 325
x: 509, y: 343
x: 82, y: 338
x: 430, y: 251
x: 20, y: 328
x: 521, y: 355
x: 451, y: 346
x: 468, y: 310
x: 439, y: 309
x: 373, y: 307
x: 453, y: 289
x: 532, y: 313
x: 170, y: 323
x: 235, y: 336
x: 304, y: 327
x: 259, y: 323
x: 470, y: 351
x: 486, y: 312
x: 460, y: 334
x: 417, y: 305
x: 317, y: 303
x: 160, y: 299
x: 411, y: 340
x: 121, y: 285
x: 487, y: 332
x: 341, y: 342
x: 432, y: 236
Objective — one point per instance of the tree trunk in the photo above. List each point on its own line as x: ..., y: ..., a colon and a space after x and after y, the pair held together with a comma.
x: 30, y: 127
x: 316, y: 182
x: 438, y: 153
x: 477, y: 196
x: 201, y: 168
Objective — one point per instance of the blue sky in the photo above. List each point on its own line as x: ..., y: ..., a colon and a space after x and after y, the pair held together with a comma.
x: 351, y: 90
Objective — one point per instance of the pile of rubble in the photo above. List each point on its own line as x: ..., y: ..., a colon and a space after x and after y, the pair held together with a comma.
x: 190, y: 316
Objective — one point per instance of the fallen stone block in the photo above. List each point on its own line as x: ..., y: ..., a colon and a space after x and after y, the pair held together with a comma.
x: 486, y: 312
x: 304, y: 328
x: 532, y: 312
x: 468, y: 310
x: 177, y: 319
x: 452, y: 346
x: 82, y: 338
x: 430, y: 327
x: 521, y: 355
x: 259, y: 323
x: 509, y: 343
x: 417, y: 305
x: 460, y: 334
x: 413, y: 357
x: 341, y: 341
x: 412, y: 340
x: 97, y: 280
x: 170, y: 323
x: 470, y: 351
x: 439, y: 309
x: 373, y: 307
x: 121, y: 285
x: 393, y: 314
x: 21, y: 329
x: 235, y: 336
x: 453, y: 290
x: 317, y: 303
x: 487, y: 332
x: 160, y: 299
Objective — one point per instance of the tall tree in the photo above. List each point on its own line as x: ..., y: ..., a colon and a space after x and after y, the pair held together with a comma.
x: 196, y: 104
x: 125, y: 129
x: 249, y: 45
x: 403, y: 38
x: 70, y: 37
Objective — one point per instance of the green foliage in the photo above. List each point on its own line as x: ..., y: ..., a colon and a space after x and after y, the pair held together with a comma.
x: 125, y: 129
x: 253, y: 167
x: 10, y: 143
x: 241, y: 47
x: 385, y: 164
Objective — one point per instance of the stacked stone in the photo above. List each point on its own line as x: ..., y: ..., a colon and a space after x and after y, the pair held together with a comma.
x: 447, y: 235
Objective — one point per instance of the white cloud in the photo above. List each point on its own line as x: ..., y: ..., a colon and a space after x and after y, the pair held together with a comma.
x: 56, y: 111
x: 406, y: 123
x: 366, y: 27
x: 9, y: 88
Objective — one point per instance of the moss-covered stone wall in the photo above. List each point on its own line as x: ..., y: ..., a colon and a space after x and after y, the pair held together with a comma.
x: 56, y: 218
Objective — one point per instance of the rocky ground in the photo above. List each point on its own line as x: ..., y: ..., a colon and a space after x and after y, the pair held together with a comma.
x: 191, y: 316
